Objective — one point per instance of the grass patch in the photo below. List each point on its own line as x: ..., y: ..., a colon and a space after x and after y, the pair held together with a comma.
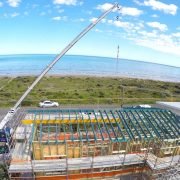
x: 88, y: 90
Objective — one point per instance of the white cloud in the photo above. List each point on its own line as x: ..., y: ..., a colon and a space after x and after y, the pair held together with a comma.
x: 60, y: 18
x: 152, y: 34
x: 13, y: 3
x: 57, y: 18
x: 98, y: 30
x: 93, y: 19
x: 135, y: 31
x: 65, y: 2
x: 123, y: 10
x: 156, y: 40
x: 157, y: 5
x: 176, y: 34
x: 138, y: 2
x: 125, y: 25
x: 104, y: 7
x: 103, y: 20
x: 14, y: 14
x: 1, y: 4
x: 157, y: 25
x: 154, y: 16
x: 81, y: 19
x: 130, y: 11
x: 159, y: 44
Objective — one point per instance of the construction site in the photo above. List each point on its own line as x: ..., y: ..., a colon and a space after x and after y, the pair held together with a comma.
x: 96, y: 144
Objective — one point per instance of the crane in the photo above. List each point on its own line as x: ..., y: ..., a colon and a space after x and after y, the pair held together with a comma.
x: 9, y: 115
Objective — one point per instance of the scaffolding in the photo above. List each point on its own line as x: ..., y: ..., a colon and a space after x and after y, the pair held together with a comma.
x: 75, y: 144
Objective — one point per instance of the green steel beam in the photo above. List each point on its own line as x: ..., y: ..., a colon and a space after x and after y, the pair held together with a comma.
x: 131, y: 135
x: 58, y: 128
x: 72, y: 132
x: 32, y: 134
x: 170, y: 124
x: 64, y: 129
x: 166, y: 131
x: 167, y: 124
x: 76, y: 115
x: 159, y: 125
x: 48, y: 135
x: 129, y: 118
x: 144, y: 123
x: 154, y: 128
x: 61, y: 112
x: 87, y: 137
x: 48, y: 125
x: 138, y: 123
x: 115, y: 135
x: 105, y: 125
x: 80, y: 136
x: 49, y: 115
x: 98, y: 125
x: 71, y: 129
x: 92, y: 127
x: 173, y: 118
x: 176, y: 120
x: 119, y: 128
x: 40, y: 132
x: 56, y: 134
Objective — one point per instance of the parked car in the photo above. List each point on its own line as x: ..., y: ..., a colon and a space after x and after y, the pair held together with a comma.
x: 48, y: 104
x: 143, y: 106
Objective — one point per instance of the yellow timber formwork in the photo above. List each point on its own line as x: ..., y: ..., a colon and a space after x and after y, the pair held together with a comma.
x: 66, y: 121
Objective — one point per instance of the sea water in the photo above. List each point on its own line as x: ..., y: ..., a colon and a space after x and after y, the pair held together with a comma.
x: 20, y: 65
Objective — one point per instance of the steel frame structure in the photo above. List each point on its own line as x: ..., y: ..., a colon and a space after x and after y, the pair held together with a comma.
x: 120, y: 125
x: 91, y: 141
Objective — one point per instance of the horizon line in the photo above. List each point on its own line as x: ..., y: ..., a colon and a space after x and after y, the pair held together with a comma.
x: 90, y: 56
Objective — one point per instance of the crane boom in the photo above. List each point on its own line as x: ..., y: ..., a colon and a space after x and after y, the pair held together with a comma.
x: 58, y: 57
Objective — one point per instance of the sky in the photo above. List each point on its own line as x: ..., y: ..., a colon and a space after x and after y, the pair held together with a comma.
x: 145, y: 30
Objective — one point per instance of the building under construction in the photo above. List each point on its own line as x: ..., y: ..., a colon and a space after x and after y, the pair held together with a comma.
x: 99, y: 144
x: 89, y: 144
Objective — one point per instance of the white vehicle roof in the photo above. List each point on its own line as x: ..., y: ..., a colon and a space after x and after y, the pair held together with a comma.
x: 145, y: 105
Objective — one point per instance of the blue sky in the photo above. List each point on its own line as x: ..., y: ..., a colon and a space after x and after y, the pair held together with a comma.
x: 146, y: 30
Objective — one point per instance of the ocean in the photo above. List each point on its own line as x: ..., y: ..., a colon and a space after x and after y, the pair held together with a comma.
x: 22, y: 65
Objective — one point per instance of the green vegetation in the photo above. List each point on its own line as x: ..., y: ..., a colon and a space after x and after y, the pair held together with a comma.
x: 3, y: 172
x: 87, y: 90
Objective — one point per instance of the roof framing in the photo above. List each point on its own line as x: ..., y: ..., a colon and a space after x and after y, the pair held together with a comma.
x: 118, y: 125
